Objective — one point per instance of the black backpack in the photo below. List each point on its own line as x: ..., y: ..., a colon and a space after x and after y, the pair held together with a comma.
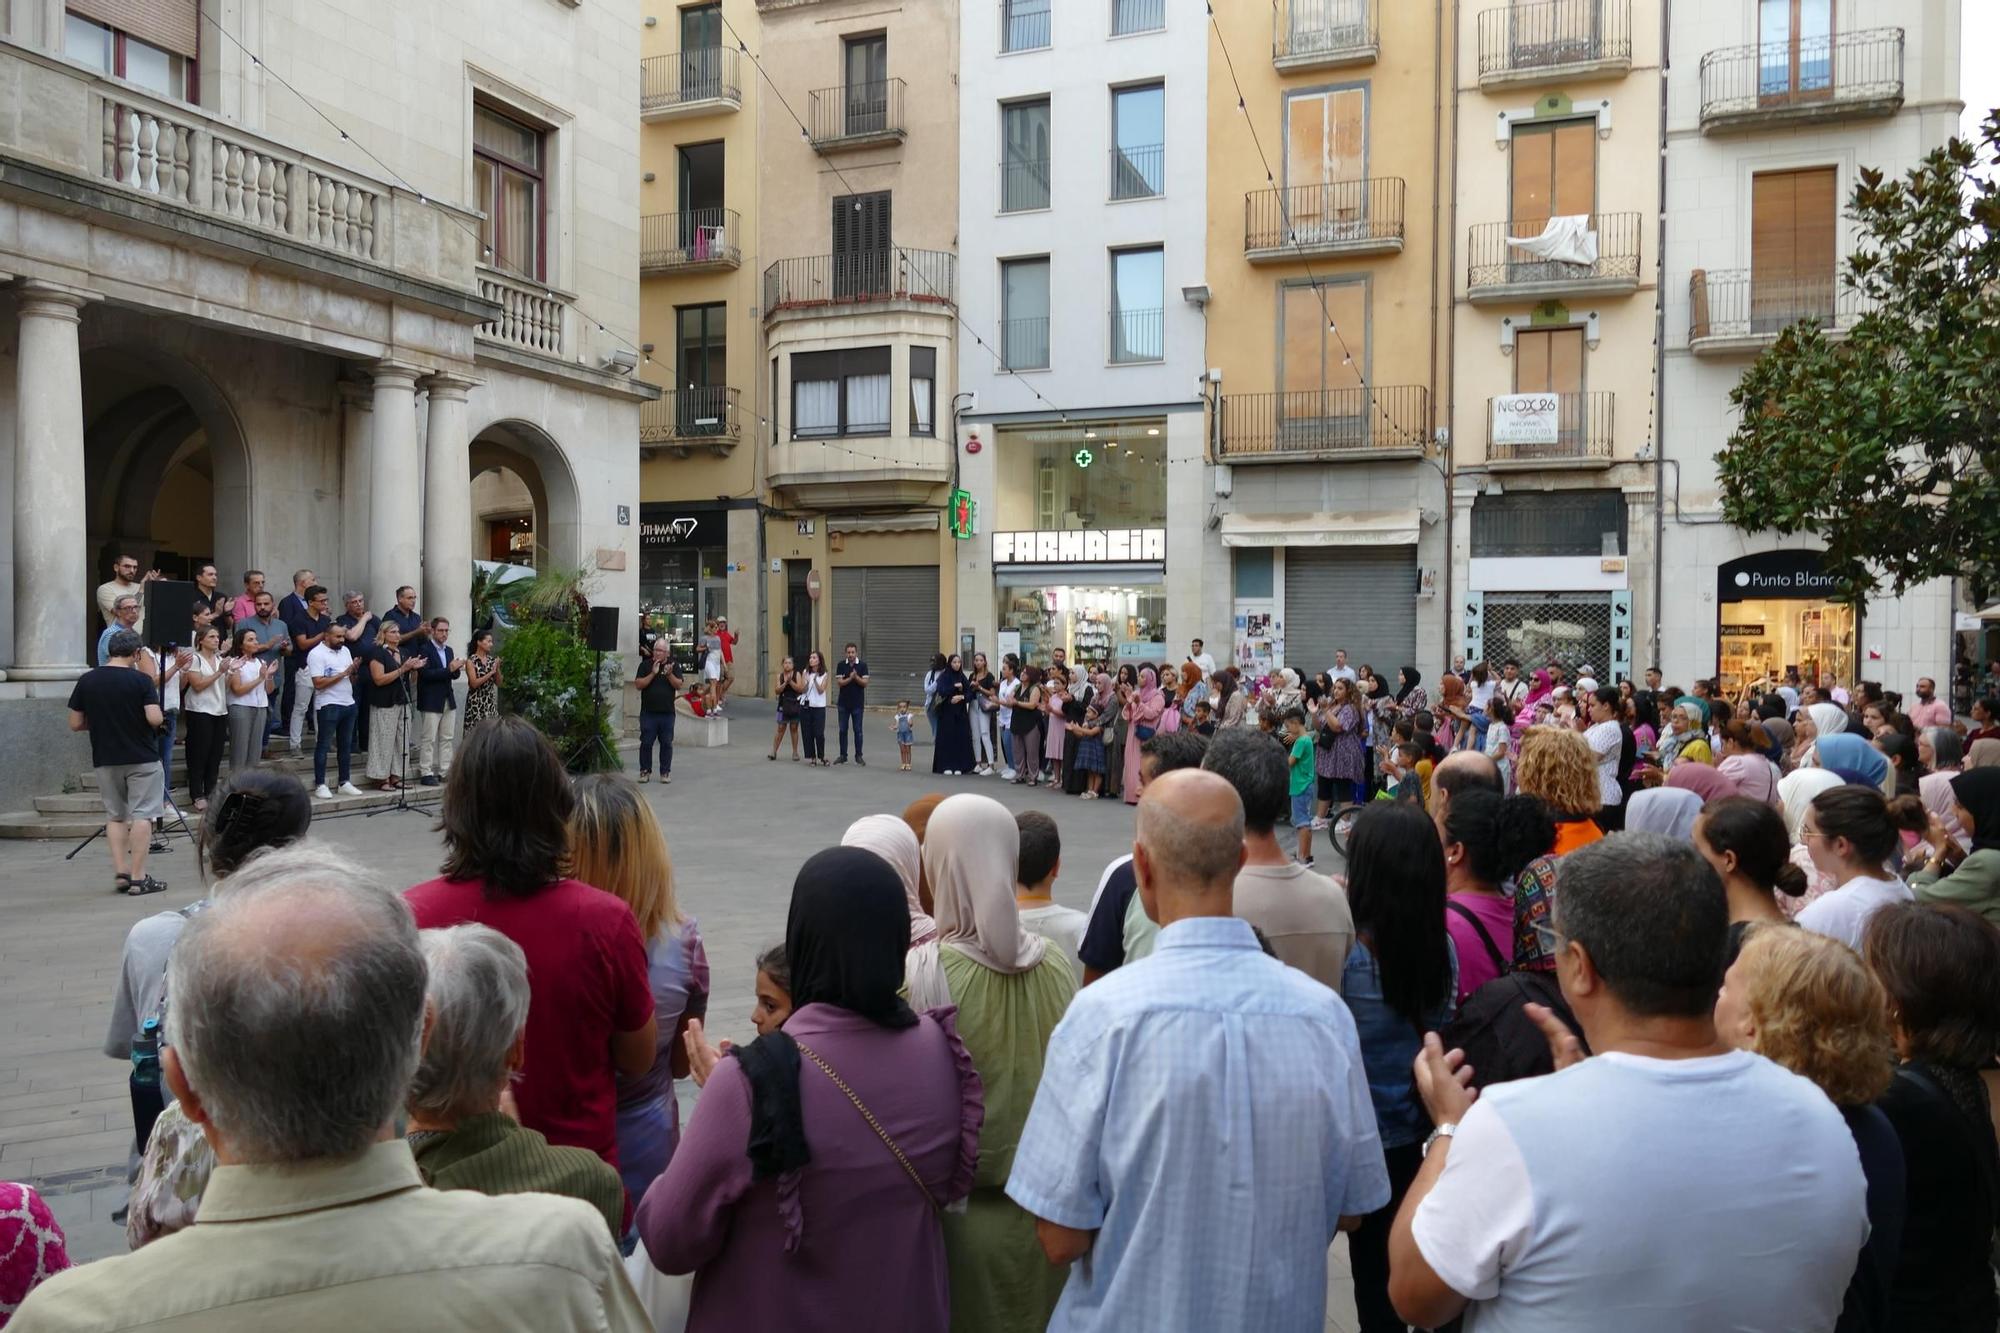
x: 1500, y: 1041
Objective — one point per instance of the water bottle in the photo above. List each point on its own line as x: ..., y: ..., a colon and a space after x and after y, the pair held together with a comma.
x: 147, y: 1099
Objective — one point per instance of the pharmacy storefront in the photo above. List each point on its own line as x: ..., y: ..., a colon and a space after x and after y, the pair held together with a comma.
x: 1775, y: 613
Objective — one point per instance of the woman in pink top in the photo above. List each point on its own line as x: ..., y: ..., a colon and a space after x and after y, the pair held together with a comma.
x: 1488, y: 840
x: 1142, y: 710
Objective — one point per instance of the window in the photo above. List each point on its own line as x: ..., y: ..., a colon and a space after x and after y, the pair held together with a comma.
x: 866, y: 64
x: 1552, y: 523
x: 507, y: 178
x: 701, y: 52
x: 1554, y: 173
x: 923, y: 391
x: 1024, y: 161
x: 1139, y: 138
x: 1795, y: 56
x: 1024, y: 24
x: 840, y: 393
x: 1793, y: 246
x: 702, y: 369
x: 774, y: 400
x: 702, y: 226
x: 1024, y: 314
x: 164, y: 65
x: 1551, y: 361
x: 1316, y: 357
x: 1137, y: 16
x: 1138, y: 304
x: 863, y: 252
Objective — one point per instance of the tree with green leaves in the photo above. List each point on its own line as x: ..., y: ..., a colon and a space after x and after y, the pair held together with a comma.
x: 1886, y: 443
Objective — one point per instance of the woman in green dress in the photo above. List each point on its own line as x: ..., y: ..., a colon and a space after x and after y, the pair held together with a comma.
x: 1011, y: 991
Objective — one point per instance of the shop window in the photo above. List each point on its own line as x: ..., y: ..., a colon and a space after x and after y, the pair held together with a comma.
x: 1255, y: 573
x: 1138, y: 305
x: 923, y: 391
x: 1099, y: 475
x: 155, y: 50
x: 840, y: 393
x: 508, y: 158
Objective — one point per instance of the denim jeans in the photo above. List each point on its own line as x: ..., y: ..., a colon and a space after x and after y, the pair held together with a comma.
x: 656, y: 728
x: 848, y: 711
x: 336, y: 724
x: 1007, y: 744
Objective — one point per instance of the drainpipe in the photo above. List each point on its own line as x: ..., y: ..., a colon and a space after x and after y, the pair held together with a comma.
x: 1660, y: 347
x: 1450, y: 307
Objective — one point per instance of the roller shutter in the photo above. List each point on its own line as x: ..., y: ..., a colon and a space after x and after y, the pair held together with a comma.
x: 892, y: 612
x: 1363, y: 599
x: 172, y: 24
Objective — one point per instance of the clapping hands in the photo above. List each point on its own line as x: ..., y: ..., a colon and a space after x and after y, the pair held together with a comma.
x: 702, y: 1057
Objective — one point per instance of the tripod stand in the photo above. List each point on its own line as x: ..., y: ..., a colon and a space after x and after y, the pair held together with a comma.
x: 403, y: 741
x: 596, y: 748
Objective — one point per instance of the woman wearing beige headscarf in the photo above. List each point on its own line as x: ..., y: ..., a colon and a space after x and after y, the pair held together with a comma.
x: 1011, y: 991
x: 896, y: 842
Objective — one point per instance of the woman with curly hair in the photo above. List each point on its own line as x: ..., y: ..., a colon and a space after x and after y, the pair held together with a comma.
x: 1558, y: 767
x: 1810, y: 1004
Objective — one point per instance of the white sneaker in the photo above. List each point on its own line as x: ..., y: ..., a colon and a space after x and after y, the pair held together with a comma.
x: 1007, y: 774
x: 349, y: 789
x: 1319, y: 824
x: 322, y: 792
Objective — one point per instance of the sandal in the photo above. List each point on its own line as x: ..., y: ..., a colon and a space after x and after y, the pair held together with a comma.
x: 147, y: 885
x: 121, y: 882
x: 773, y: 756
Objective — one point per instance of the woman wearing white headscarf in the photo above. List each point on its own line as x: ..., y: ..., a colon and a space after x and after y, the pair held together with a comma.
x: 896, y: 842
x: 1809, y: 724
x: 1011, y: 990
x: 1795, y: 796
x: 1668, y: 810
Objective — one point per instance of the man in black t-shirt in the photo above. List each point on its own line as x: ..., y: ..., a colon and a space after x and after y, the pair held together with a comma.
x: 120, y: 708
x: 659, y: 683
x: 852, y: 673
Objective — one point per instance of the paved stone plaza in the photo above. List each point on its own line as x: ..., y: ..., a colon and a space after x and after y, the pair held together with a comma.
x: 738, y: 826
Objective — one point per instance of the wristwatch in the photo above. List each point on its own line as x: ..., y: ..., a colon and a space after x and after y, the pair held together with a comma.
x: 1444, y: 1131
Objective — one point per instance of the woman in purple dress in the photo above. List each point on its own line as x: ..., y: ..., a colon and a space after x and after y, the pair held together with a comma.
x: 1337, y: 758
x: 861, y: 1120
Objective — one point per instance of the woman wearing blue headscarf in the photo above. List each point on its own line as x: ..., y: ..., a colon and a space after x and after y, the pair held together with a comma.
x: 1854, y: 760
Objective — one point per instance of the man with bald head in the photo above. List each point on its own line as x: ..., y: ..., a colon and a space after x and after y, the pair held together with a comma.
x: 1462, y: 769
x: 296, y: 1021
x: 1203, y: 1125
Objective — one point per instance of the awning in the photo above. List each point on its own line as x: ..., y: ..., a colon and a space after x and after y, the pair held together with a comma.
x: 1367, y: 527
x: 1991, y: 613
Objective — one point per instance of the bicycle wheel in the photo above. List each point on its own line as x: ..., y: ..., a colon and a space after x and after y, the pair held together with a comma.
x: 1341, y: 826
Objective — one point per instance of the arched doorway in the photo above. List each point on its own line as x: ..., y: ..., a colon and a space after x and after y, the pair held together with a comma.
x: 519, y: 472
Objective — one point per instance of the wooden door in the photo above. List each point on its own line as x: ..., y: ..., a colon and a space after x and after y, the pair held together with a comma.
x: 1326, y: 146
x: 1551, y: 361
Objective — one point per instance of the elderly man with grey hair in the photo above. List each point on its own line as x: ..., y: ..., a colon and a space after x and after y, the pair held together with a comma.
x: 1159, y: 1081
x: 297, y: 1021
x: 462, y: 1138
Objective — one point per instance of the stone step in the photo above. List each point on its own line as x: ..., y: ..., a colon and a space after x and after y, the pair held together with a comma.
x: 78, y: 817
x: 278, y: 759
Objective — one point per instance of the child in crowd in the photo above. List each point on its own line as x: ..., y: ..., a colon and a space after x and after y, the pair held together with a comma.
x: 774, y: 990
x: 1204, y: 718
x: 1303, y: 780
x: 906, y: 734
x: 1087, y: 736
x: 1034, y: 893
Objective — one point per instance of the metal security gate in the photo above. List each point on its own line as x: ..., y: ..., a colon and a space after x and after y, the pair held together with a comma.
x: 891, y: 611
x: 1536, y: 628
x: 1363, y: 599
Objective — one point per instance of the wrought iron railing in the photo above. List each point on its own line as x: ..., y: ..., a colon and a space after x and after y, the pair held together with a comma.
x: 1522, y: 39
x: 1024, y: 184
x: 1581, y: 430
x: 870, y: 110
x: 1736, y: 303
x: 1303, y: 29
x: 1324, y: 421
x: 897, y: 274
x: 1495, y: 259
x: 1137, y: 16
x: 1024, y: 25
x: 1024, y: 344
x: 1139, y: 171
x: 1138, y: 335
x: 1305, y: 217
x: 690, y: 239
x: 702, y: 74
x: 694, y: 414
x: 1851, y: 67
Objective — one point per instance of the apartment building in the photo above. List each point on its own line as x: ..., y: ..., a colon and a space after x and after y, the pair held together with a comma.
x: 700, y: 479
x: 858, y: 304
x: 1329, y: 276
x: 1555, y: 291
x: 1772, y: 111
x: 1082, y: 131
x: 278, y: 300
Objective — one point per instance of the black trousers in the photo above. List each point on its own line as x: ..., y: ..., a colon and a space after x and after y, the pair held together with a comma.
x: 1368, y: 1245
x: 815, y: 730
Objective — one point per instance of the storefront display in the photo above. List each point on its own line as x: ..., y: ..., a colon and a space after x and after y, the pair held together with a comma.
x: 1774, y: 615
x: 682, y: 577
x: 1097, y: 627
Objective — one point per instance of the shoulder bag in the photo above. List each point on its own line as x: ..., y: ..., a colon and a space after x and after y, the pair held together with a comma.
x: 873, y: 1124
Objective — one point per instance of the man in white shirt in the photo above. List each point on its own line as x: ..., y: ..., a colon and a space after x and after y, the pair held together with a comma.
x: 1034, y: 888
x: 1511, y: 687
x: 1201, y: 659
x: 1668, y: 1182
x: 1342, y: 671
x: 330, y: 668
x: 124, y: 582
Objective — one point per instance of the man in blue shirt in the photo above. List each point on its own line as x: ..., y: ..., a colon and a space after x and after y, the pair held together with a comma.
x: 291, y: 607
x: 124, y: 615
x: 437, y: 705
x: 1203, y: 1126
x: 360, y: 625
x: 403, y: 615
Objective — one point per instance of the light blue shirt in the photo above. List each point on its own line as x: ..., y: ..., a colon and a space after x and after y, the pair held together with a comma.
x: 1205, y: 1112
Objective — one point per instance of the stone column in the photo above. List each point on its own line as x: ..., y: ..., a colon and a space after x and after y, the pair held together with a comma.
x: 447, y: 588
x: 395, y: 486
x: 52, y: 589
x: 357, y: 448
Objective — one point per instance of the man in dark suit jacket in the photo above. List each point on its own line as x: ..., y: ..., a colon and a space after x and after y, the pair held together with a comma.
x: 437, y: 705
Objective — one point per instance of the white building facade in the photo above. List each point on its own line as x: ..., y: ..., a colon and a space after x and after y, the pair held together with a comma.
x: 283, y: 280
x: 1080, y: 425
x: 1772, y: 111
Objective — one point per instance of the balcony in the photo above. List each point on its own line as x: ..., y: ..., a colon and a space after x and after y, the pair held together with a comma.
x: 1555, y: 430
x: 700, y: 240
x: 1733, y: 313
x: 1326, y: 425
x: 1850, y: 76
x: 828, y: 284
x: 1138, y: 172
x: 870, y: 472
x: 855, y: 115
x: 1324, y: 34
x: 1362, y: 217
x: 1533, y: 260
x: 1138, y: 336
x: 533, y: 317
x: 683, y: 420
x: 701, y: 82
x: 1553, y: 41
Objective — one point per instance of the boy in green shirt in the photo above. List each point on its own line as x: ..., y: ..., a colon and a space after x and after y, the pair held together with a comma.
x: 1302, y: 780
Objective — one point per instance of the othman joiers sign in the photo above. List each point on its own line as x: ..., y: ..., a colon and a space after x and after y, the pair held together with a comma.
x: 1785, y: 574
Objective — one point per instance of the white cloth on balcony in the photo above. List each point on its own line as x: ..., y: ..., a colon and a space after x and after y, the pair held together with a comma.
x: 1569, y: 240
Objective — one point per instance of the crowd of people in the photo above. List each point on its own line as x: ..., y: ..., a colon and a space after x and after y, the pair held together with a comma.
x: 969, y: 1107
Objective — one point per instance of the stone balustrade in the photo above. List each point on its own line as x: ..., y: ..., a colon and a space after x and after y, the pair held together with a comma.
x: 533, y: 316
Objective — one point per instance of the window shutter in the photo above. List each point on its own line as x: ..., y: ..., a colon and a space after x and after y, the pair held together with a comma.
x: 172, y: 24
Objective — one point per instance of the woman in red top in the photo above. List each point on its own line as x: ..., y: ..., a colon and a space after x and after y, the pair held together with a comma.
x: 506, y: 814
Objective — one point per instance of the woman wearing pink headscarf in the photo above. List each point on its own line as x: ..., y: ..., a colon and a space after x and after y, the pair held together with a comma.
x: 1143, y: 712
x: 1711, y: 784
